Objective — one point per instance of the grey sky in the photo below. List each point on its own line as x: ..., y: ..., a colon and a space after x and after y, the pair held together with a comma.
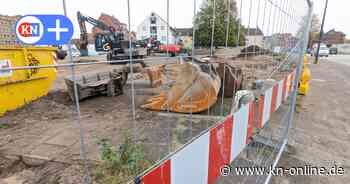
x: 181, y: 11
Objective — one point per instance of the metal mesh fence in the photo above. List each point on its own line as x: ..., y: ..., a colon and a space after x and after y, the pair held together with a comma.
x: 260, y: 39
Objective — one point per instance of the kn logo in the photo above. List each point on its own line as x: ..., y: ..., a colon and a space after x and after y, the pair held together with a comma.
x: 44, y: 29
x: 29, y: 29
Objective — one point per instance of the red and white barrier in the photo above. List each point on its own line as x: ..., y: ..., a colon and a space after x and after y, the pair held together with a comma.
x: 200, y: 161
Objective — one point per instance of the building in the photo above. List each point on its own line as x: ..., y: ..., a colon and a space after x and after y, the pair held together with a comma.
x: 255, y: 36
x: 110, y: 21
x: 180, y: 32
x: 155, y: 27
x: 7, y: 27
x: 344, y: 48
x: 333, y: 37
x: 284, y: 41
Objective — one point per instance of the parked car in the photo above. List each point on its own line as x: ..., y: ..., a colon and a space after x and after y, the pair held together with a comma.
x: 333, y: 50
x: 171, y: 48
x: 75, y: 51
x: 309, y: 51
x: 324, y: 51
x: 60, y: 52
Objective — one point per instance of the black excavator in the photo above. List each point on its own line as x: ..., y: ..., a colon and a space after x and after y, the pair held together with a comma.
x: 111, y: 41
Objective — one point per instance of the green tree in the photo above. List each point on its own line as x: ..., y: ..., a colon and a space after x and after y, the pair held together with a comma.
x: 204, y: 21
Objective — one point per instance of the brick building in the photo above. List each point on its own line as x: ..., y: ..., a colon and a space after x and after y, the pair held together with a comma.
x: 282, y: 41
x: 334, y: 37
x: 110, y: 21
x: 7, y: 33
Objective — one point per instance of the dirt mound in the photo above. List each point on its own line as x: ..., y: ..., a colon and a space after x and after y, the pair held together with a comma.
x: 16, y: 170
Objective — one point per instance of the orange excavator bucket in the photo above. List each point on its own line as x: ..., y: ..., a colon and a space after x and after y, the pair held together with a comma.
x: 192, y: 87
x: 155, y: 75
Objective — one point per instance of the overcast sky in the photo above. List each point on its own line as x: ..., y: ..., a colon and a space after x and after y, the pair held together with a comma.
x: 181, y: 11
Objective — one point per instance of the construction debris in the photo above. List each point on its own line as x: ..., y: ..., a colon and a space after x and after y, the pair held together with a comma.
x: 253, y: 50
x: 88, y: 85
x: 232, y: 79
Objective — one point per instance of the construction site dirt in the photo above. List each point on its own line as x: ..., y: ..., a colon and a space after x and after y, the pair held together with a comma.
x: 40, y: 142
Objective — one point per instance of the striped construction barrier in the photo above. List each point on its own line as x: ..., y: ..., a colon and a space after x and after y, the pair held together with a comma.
x: 200, y: 161
x: 273, y: 98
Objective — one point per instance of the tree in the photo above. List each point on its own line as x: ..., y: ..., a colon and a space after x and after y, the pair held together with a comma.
x: 315, y: 24
x: 315, y: 28
x: 203, y: 24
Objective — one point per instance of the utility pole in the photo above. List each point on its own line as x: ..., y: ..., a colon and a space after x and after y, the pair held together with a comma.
x: 321, y: 33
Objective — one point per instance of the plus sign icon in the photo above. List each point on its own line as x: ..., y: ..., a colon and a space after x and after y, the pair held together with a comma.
x: 44, y: 29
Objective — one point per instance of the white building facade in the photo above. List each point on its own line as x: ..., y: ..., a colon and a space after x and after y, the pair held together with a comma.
x: 255, y: 37
x: 156, y: 27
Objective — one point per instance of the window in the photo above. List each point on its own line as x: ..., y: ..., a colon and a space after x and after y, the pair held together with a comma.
x: 162, y: 27
x: 164, y: 38
x: 153, y: 30
x: 153, y: 20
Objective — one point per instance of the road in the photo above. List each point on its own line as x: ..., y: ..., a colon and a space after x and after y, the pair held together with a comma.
x: 341, y: 59
x: 321, y: 130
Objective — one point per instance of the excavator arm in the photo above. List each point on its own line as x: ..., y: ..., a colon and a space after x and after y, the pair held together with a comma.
x: 83, y: 43
x: 103, y: 42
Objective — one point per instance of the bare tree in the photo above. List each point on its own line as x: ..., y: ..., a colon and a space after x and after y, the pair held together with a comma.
x: 314, y: 29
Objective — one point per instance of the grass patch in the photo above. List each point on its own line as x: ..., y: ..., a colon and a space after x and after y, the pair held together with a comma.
x: 4, y: 126
x: 120, y: 165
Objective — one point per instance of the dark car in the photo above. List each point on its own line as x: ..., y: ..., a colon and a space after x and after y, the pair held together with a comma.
x: 60, y: 52
x: 333, y: 51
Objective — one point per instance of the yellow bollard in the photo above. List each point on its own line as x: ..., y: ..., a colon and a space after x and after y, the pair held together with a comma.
x: 19, y: 87
x: 305, y: 78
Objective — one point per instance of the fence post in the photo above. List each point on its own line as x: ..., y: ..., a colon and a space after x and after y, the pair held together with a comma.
x: 83, y: 153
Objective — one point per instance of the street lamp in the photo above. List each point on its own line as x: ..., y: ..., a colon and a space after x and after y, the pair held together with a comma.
x: 321, y: 33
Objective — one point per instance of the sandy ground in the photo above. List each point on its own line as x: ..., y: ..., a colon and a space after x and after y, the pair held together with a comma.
x: 47, y: 129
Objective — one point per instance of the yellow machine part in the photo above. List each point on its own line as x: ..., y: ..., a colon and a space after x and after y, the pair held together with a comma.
x: 188, y: 80
x: 303, y: 88
x: 306, y: 59
x: 19, y: 87
x: 305, y: 78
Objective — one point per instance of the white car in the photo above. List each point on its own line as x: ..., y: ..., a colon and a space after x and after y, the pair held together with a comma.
x: 324, y: 51
x: 75, y: 51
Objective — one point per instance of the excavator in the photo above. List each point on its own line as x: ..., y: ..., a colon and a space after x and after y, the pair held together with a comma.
x: 111, y: 41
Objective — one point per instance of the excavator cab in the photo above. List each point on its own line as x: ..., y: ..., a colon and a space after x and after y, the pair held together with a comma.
x: 109, y: 40
x: 106, y: 41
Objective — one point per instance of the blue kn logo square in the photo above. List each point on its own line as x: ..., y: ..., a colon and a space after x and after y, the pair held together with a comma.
x: 44, y: 29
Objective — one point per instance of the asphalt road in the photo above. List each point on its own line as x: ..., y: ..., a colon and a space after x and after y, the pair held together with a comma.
x: 341, y: 59
x: 321, y: 130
